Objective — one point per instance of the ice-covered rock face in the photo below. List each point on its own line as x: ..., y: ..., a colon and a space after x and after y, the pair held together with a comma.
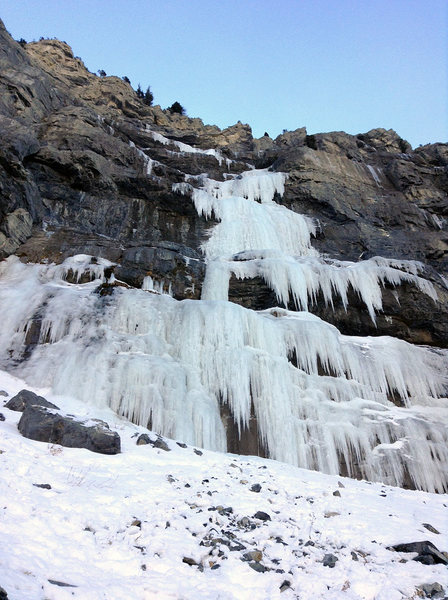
x: 366, y: 407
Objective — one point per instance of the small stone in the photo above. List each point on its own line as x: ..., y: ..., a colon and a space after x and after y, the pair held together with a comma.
x: 262, y: 516
x: 44, y: 486
x: 60, y: 583
x: 329, y: 560
x: 216, y: 566
x: 181, y: 444
x: 244, y: 522
x: 430, y: 528
x: 329, y: 514
x: 136, y: 523
x: 237, y: 548
x: 309, y: 543
x: 198, y: 452
x: 354, y: 556
x: 432, y: 590
x: 256, y: 566
x: 189, y: 561
x: 256, y: 487
x: 3, y: 594
x: 143, y: 439
x: 341, y: 485
x: 279, y: 540
x: 285, y: 585
x: 161, y: 444
x: 5, y: 395
x: 2, y: 417
x: 255, y: 555
x: 224, y: 511
x: 337, y: 493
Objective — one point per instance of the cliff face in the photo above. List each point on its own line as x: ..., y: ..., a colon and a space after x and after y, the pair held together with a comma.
x: 72, y: 165
x: 87, y: 168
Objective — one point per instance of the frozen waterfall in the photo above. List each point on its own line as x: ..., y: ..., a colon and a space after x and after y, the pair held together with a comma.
x: 322, y: 400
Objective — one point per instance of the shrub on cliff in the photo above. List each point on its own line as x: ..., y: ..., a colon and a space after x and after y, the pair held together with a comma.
x: 148, y: 97
x: 177, y: 108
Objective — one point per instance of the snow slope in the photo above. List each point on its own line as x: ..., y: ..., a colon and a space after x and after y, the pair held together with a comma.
x: 126, y: 526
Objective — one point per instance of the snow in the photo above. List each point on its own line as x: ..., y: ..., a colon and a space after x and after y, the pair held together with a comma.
x: 182, y: 147
x: 119, y: 527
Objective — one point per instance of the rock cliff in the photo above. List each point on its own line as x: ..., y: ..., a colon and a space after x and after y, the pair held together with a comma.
x: 87, y: 168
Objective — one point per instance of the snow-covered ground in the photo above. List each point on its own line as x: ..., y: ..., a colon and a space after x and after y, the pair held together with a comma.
x: 179, y: 524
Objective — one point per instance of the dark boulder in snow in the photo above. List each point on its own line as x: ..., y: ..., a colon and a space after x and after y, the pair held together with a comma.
x: 428, y: 554
x: 329, y: 560
x: 262, y: 516
x: 27, y: 398
x: 39, y: 423
x: 3, y: 594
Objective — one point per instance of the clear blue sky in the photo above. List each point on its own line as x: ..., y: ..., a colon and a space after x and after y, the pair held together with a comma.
x: 329, y: 65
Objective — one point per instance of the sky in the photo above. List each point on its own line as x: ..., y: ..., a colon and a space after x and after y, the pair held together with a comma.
x: 327, y: 65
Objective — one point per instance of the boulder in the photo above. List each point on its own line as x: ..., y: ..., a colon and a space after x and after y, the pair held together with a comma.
x: 44, y: 425
x: 26, y: 398
x: 427, y: 552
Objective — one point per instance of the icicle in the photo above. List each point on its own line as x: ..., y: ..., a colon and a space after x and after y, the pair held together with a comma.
x: 300, y: 278
x: 160, y: 287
